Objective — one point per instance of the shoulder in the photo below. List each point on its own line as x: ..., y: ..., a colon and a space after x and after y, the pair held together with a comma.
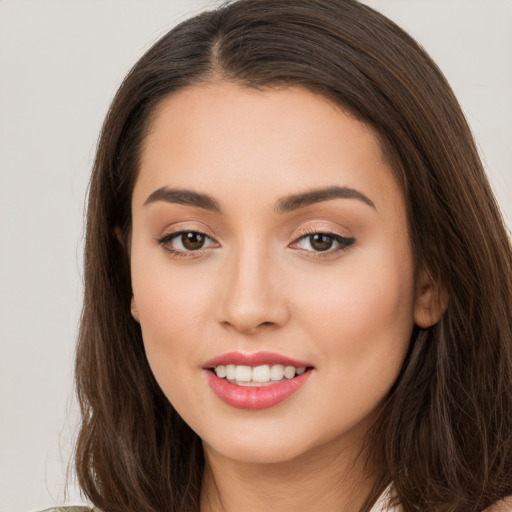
x: 504, y: 505
x: 382, y: 504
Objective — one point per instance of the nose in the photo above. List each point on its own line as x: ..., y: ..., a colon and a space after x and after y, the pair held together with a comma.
x: 254, y: 293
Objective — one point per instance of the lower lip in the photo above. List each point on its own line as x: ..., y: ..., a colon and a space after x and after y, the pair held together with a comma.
x: 252, y: 397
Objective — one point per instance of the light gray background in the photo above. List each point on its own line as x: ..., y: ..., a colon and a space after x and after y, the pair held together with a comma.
x: 60, y: 64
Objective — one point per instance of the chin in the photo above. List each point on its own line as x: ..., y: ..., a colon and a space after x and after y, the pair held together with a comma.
x: 264, y: 448
x: 255, y: 454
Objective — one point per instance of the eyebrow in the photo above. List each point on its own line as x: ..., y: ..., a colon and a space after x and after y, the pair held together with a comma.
x: 185, y: 197
x: 294, y: 202
x: 283, y: 205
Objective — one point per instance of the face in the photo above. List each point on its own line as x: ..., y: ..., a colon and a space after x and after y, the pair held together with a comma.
x: 270, y: 244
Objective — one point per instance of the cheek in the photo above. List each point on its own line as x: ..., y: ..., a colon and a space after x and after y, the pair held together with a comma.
x: 361, y: 327
x: 171, y: 318
x: 363, y: 313
x: 169, y: 297
x: 173, y: 306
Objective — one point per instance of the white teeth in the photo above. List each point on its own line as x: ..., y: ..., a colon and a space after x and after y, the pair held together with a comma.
x: 243, y: 373
x: 289, y: 372
x: 261, y: 373
x: 230, y: 371
x: 277, y: 372
x: 220, y: 371
x: 252, y: 376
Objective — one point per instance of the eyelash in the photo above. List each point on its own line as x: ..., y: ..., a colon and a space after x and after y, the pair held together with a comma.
x: 167, y: 239
x: 344, y: 243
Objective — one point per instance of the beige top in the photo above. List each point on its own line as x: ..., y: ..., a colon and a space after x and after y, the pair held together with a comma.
x: 72, y: 509
x: 504, y: 505
x: 381, y: 504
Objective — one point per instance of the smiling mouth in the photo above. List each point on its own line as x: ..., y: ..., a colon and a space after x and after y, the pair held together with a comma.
x: 257, y: 376
x: 256, y: 381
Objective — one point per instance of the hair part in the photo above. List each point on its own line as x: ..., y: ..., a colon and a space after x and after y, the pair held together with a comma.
x: 444, y: 435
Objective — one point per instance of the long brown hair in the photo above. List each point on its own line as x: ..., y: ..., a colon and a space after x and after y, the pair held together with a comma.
x: 444, y: 437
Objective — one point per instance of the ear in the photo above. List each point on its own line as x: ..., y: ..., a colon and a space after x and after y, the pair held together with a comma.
x: 431, y: 300
x: 134, y: 311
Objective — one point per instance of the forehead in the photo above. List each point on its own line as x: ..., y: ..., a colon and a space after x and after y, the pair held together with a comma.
x: 230, y: 138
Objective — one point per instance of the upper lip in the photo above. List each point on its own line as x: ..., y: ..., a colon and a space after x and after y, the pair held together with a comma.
x: 255, y: 359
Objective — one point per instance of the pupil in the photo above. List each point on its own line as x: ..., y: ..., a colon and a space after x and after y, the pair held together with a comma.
x: 321, y: 242
x: 192, y: 240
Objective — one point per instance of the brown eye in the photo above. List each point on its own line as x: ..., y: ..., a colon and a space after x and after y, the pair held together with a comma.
x: 186, y: 242
x: 321, y: 242
x: 324, y: 242
x: 192, y: 240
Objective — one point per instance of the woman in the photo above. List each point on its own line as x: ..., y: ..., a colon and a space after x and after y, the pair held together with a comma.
x: 298, y: 285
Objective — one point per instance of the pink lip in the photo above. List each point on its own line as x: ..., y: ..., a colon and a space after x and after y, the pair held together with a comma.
x: 255, y: 397
x: 255, y: 359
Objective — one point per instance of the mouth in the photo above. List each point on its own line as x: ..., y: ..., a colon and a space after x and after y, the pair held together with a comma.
x: 256, y: 381
x: 254, y: 376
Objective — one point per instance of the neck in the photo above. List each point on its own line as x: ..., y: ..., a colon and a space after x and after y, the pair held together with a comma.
x: 325, y: 480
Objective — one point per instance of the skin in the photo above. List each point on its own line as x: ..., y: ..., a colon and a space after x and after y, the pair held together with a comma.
x: 258, y: 284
